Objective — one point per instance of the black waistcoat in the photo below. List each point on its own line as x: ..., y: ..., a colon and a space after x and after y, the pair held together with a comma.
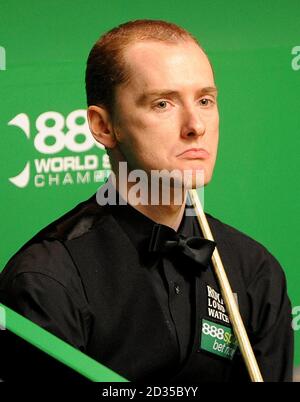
x: 128, y: 332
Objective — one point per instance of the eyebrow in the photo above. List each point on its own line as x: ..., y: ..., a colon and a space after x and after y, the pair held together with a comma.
x: 166, y: 92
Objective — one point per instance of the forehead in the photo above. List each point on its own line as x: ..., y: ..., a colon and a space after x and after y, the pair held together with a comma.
x: 152, y: 64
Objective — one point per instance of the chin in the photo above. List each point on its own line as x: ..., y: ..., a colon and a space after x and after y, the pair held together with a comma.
x: 196, y: 178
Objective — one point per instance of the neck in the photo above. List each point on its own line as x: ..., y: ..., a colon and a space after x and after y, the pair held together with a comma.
x: 168, y: 213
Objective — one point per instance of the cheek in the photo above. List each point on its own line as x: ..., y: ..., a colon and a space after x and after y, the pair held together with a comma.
x: 213, y: 132
x: 139, y: 139
x: 144, y: 132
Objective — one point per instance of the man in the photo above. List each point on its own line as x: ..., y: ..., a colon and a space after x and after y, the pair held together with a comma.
x: 131, y: 283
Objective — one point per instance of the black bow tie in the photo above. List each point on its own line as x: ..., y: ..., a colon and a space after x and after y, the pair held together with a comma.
x: 165, y: 239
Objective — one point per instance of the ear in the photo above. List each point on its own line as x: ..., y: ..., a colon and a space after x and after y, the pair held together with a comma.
x: 100, y: 125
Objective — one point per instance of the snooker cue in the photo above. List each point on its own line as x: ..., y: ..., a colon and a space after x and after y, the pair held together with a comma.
x: 229, y: 299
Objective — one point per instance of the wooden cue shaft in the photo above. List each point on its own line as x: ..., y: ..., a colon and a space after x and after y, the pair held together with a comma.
x: 229, y: 299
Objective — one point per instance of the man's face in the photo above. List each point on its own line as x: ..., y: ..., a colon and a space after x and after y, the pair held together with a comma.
x: 166, y: 116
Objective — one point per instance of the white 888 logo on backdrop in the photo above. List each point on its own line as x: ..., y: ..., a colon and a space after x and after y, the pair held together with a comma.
x: 63, y: 139
x: 54, y: 133
x: 60, y: 139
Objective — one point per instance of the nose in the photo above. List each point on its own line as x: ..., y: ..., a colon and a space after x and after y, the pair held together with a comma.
x: 192, y: 123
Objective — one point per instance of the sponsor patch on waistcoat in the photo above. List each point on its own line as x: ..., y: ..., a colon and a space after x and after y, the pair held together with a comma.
x: 217, y: 335
x: 218, y: 339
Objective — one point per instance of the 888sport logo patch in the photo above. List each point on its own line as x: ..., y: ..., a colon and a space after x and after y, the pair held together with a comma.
x: 218, y: 339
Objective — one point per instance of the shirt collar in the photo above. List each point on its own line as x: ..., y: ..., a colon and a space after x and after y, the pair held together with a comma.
x: 138, y: 227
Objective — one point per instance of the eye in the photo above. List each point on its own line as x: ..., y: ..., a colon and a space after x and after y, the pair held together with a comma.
x: 161, y: 105
x: 206, y: 102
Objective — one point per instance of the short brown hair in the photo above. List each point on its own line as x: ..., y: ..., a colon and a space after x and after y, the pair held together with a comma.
x: 105, y: 65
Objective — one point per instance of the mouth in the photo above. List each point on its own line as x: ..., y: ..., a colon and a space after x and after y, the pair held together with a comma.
x: 194, y: 153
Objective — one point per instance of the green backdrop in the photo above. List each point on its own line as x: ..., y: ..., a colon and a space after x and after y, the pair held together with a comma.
x: 49, y: 162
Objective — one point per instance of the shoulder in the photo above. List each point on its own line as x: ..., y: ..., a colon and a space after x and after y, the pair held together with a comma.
x: 251, y: 256
x: 73, y: 224
x: 45, y: 254
x: 232, y: 235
